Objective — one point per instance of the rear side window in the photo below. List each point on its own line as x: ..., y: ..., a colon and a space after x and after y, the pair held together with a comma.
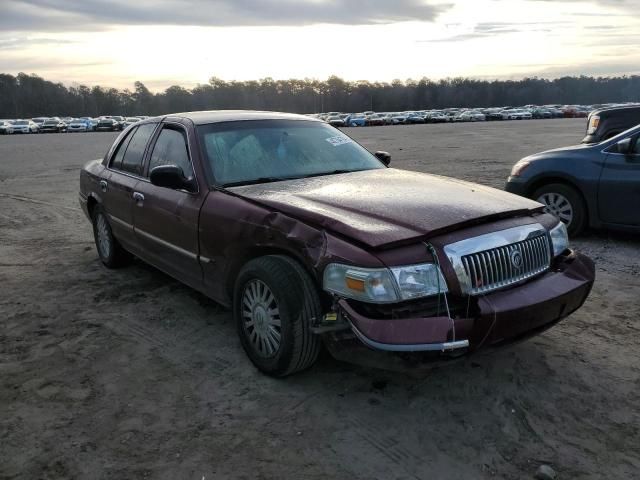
x: 132, y: 159
x: 171, y: 149
x: 116, y: 160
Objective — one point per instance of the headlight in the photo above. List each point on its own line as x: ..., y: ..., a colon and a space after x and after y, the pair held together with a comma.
x: 519, y: 168
x: 559, y: 239
x: 422, y: 280
x: 383, y: 285
x: 367, y: 284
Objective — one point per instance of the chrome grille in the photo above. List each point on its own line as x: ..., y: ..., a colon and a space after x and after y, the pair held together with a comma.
x: 501, y: 266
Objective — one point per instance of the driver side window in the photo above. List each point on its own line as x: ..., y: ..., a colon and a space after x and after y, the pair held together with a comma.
x: 636, y: 146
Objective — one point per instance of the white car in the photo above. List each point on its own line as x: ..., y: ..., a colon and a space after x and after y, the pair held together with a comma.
x: 475, y: 116
x: 130, y: 121
x: 516, y: 114
x: 24, y: 126
x: 462, y: 117
x: 39, y: 120
x: 79, y: 125
x: 6, y: 127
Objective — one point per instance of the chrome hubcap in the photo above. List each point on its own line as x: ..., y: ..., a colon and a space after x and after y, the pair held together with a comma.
x: 557, y: 205
x: 261, y: 318
x: 104, y: 240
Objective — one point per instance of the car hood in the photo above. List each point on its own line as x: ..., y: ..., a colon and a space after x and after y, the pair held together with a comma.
x: 569, y: 151
x: 383, y: 206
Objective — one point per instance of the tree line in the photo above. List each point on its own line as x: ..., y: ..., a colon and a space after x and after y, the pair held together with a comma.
x: 28, y: 96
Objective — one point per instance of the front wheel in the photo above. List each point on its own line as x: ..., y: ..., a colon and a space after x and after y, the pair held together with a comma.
x: 275, y: 304
x: 565, y: 203
x: 109, y: 249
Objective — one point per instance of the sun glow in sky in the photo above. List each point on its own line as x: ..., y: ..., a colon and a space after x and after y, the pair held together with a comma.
x: 186, y: 42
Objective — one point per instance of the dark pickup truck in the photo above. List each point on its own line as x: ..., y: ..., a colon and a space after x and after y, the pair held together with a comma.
x: 607, y: 123
x: 308, y: 237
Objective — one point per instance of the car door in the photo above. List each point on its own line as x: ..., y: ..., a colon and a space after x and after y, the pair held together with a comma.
x: 117, y: 186
x: 166, y: 220
x: 619, y: 187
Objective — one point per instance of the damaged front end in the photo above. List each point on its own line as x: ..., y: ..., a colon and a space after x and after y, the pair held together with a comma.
x: 502, y: 287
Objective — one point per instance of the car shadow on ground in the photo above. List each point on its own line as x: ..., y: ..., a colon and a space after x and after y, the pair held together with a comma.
x: 378, y: 367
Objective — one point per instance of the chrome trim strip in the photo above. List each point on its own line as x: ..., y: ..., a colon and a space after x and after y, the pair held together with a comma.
x: 166, y: 244
x: 127, y: 174
x: 423, y: 347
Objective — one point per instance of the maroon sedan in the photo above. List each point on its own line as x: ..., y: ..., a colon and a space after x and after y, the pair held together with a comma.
x: 309, y: 237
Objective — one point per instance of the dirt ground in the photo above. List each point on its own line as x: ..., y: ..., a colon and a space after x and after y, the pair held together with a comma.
x: 128, y: 374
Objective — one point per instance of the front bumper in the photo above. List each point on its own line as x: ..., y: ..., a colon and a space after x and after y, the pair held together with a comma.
x: 500, y: 317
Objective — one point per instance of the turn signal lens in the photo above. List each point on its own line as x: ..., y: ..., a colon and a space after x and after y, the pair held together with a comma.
x: 373, y: 285
x: 355, y: 284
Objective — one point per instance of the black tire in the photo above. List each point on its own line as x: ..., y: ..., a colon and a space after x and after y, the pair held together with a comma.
x: 297, y: 303
x: 578, y: 222
x: 111, y: 253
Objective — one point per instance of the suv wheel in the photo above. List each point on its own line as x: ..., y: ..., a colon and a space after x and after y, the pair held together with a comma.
x: 565, y: 203
x: 275, y: 304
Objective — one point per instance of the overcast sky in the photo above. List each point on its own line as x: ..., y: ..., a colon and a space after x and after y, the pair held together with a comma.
x: 165, y: 42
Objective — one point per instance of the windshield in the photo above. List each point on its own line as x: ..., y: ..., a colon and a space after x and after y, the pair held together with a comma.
x: 21, y: 122
x: 271, y: 150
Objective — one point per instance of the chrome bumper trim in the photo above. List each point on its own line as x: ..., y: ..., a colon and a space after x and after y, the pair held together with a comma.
x: 424, y: 347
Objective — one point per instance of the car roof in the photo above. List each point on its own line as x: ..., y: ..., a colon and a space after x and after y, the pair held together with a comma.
x: 218, y: 116
x: 623, y: 109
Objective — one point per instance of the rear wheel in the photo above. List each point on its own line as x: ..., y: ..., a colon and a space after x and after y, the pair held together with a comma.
x: 565, y: 203
x: 109, y: 249
x: 275, y: 304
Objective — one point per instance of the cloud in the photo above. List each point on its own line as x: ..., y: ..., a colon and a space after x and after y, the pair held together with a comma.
x: 601, y: 68
x: 25, y: 42
x: 55, y: 15
x: 491, y: 29
x: 618, y: 5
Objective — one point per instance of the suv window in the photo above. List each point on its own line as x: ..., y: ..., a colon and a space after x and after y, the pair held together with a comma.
x: 132, y: 160
x: 171, y: 149
x: 116, y: 160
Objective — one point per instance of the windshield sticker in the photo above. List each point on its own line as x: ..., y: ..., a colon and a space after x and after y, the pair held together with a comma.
x: 338, y: 140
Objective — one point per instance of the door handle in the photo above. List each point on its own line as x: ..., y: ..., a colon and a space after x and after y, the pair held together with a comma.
x: 139, y: 198
x: 103, y: 185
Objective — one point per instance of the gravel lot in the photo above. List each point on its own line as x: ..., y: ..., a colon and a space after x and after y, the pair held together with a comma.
x: 129, y: 374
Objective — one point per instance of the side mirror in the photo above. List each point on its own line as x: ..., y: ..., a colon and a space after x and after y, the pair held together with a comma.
x: 624, y: 146
x: 384, y: 157
x: 171, y: 176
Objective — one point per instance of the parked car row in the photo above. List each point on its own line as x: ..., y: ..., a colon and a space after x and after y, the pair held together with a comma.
x: 112, y: 123
x: 527, y: 112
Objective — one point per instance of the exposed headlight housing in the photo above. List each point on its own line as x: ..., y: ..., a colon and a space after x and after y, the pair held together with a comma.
x: 519, y: 168
x: 559, y: 239
x: 384, y: 285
